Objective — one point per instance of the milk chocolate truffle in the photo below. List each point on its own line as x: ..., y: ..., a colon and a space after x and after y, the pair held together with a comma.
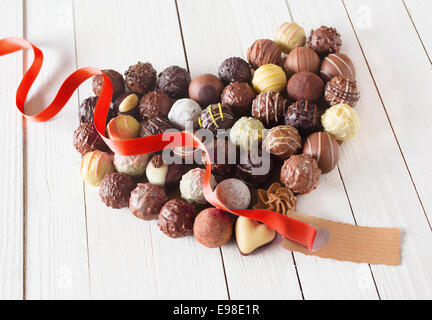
x: 213, y: 227
x: 325, y: 41
x: 115, y: 190
x: 216, y: 117
x: 205, y: 89
x: 234, y: 194
x: 123, y: 127
x: 140, y: 78
x: 154, y: 103
x: 161, y: 174
x: 255, y: 167
x: 264, y: 51
x: 234, y: 69
x: 247, y: 132
x: 300, y: 173
x: 302, y: 59
x: 222, y: 156
x: 176, y: 218
x: 146, y: 200
x: 324, y: 148
x: 289, y: 36
x: 305, y: 85
x: 154, y: 125
x: 269, y: 107
x: 337, y: 64
x: 304, y: 116
x: 118, y: 84
x: 191, y: 186
x: 282, y: 141
x: 95, y: 165
x: 341, y: 89
x: 238, y: 96
x: 127, y: 104
x: 269, y: 77
x: 87, y: 139
x: 86, y: 110
x: 174, y: 81
x: 184, y: 114
x: 131, y: 165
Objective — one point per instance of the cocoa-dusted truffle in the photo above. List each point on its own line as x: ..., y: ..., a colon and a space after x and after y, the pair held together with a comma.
x: 324, y: 41
x: 300, y: 173
x: 87, y: 139
x: 184, y: 114
x: 118, y: 84
x: 282, y: 141
x: 341, y: 89
x: 305, y: 85
x: 154, y: 125
x: 234, y: 69
x: 161, y: 174
x: 302, y: 59
x: 269, y: 107
x: 234, y: 194
x: 174, y: 81
x: 146, y: 200
x: 324, y: 148
x: 86, y: 110
x: 304, y: 116
x: 222, y: 156
x: 216, y: 117
x: 255, y: 167
x: 155, y: 103
x: 213, y: 227
x: 205, y: 89
x: 176, y: 218
x: 264, y: 51
x: 238, y: 96
x: 115, y: 190
x: 140, y: 78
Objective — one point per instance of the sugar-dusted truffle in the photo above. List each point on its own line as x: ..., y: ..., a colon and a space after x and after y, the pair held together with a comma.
x: 305, y: 85
x: 184, y: 114
x: 213, y: 227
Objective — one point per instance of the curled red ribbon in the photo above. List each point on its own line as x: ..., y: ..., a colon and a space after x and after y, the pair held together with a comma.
x: 289, y: 228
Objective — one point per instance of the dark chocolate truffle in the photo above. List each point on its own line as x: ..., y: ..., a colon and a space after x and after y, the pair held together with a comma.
x: 115, y: 190
x: 340, y: 89
x: 305, y: 85
x: 176, y: 218
x: 155, y: 103
x: 87, y: 139
x: 222, y: 156
x: 205, y: 89
x: 216, y: 117
x: 302, y: 59
x: 269, y: 107
x: 304, y: 116
x: 324, y: 148
x: 154, y: 125
x: 324, y: 41
x: 238, y: 96
x: 282, y: 141
x: 300, y: 173
x: 117, y: 81
x: 264, y: 51
x: 255, y: 167
x: 337, y: 64
x: 146, y: 200
x: 174, y: 81
x: 86, y: 110
x: 234, y: 70
x: 141, y: 78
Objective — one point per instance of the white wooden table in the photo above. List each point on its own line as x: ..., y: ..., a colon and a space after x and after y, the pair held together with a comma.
x: 58, y: 240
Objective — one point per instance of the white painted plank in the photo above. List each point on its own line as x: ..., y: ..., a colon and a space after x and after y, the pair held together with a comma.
x: 11, y: 160
x: 131, y: 258
x: 57, y: 262
x: 378, y: 184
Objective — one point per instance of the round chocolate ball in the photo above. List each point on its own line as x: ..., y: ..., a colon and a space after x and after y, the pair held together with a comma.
x: 302, y: 59
x: 325, y: 41
x: 289, y: 36
x: 146, y: 200
x: 87, y: 139
x: 154, y: 103
x: 247, y: 132
x: 95, y: 165
x: 282, y: 141
x: 324, y: 148
x: 234, y: 69
x: 213, y: 227
x: 341, y: 89
x: 141, y: 78
x: 217, y: 117
x: 300, y: 173
x: 255, y: 167
x: 176, y: 218
x: 115, y: 190
x: 118, y: 83
x: 222, y: 157
x: 269, y: 107
x: 191, y: 186
x: 174, y: 81
x: 131, y: 165
x: 304, y: 116
x: 234, y: 194
x: 86, y: 110
x: 184, y: 114
x: 264, y: 51
x: 337, y: 64
x: 160, y: 173
x: 269, y: 77
x: 305, y: 85
x: 238, y: 96
x: 206, y: 89
x: 154, y: 125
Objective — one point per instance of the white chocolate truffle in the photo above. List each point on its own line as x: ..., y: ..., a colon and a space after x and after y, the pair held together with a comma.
x: 191, y: 186
x: 246, y: 132
x: 161, y: 174
x: 184, y: 114
x: 131, y: 165
x: 234, y: 194
x: 341, y: 121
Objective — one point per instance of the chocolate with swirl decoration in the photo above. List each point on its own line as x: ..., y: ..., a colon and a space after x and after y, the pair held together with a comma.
x: 282, y: 141
x: 269, y: 107
x: 216, y: 117
x: 324, y: 148
x: 341, y: 89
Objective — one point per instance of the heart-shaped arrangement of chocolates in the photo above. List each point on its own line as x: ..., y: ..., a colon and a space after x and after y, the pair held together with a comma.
x: 288, y: 107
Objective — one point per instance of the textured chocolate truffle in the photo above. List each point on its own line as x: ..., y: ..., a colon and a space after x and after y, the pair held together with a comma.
x: 154, y: 103
x: 234, y: 70
x: 300, y: 173
x: 154, y: 125
x: 176, y: 218
x: 222, y: 156
x: 140, y: 78
x: 340, y: 89
x: 238, y: 96
x: 305, y: 85
x: 255, y: 167
x: 205, y: 89
x: 282, y: 141
x: 174, y: 81
x: 324, y: 148
x: 269, y: 107
x: 87, y: 139
x: 264, y: 51
x: 337, y: 64
x: 117, y: 81
x: 324, y: 41
x: 213, y: 227
x: 304, y: 116
x: 216, y: 117
x: 146, y: 200
x: 247, y: 132
x: 302, y: 59
x: 86, y: 110
x: 184, y: 114
x: 191, y: 186
x: 161, y: 174
x: 115, y: 190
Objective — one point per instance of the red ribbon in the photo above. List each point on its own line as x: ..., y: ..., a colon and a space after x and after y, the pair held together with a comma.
x: 289, y: 228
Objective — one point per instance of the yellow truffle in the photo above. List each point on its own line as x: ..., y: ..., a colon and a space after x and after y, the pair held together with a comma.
x: 246, y: 131
x: 95, y: 166
x: 341, y: 121
x: 269, y: 77
x: 290, y: 36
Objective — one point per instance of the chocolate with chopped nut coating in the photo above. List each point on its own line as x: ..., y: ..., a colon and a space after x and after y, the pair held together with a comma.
x: 141, y: 78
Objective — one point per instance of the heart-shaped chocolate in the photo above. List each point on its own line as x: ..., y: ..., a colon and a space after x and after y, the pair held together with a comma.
x: 251, y: 235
